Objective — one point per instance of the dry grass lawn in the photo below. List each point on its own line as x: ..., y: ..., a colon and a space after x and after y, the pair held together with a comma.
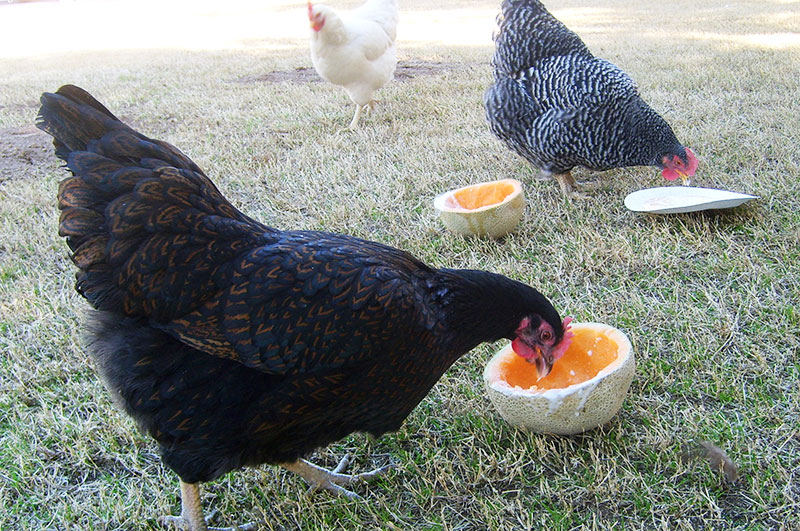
x: 709, y: 300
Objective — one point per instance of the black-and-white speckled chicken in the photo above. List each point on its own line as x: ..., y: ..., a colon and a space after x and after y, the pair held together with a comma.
x: 559, y: 106
x: 234, y: 344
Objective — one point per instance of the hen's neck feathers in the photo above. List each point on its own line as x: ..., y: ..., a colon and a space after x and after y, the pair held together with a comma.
x: 334, y: 30
x: 480, y: 306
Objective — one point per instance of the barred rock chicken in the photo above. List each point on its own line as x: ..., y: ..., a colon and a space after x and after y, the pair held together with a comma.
x: 558, y: 106
x: 232, y: 343
x: 355, y: 50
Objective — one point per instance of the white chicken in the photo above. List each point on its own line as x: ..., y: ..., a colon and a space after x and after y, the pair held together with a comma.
x: 355, y: 50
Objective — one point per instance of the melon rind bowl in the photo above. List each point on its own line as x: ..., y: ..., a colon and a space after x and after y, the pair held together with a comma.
x: 570, y: 410
x: 495, y: 220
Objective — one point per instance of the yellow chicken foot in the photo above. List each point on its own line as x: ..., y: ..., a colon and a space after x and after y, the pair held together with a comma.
x: 568, y: 185
x: 320, y: 478
x: 191, y: 518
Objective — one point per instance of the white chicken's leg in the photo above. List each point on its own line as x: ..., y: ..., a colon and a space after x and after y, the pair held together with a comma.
x: 191, y: 518
x: 356, y: 116
x: 369, y: 107
x: 320, y: 478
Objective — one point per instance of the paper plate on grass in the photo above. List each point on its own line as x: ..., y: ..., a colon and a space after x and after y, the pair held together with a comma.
x: 677, y: 199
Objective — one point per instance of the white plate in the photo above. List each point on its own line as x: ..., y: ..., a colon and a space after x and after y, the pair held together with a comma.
x: 676, y: 199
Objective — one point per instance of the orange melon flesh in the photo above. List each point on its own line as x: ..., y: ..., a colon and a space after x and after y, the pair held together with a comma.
x: 482, y: 195
x: 587, y: 355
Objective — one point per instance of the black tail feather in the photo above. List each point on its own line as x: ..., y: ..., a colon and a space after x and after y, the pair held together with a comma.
x: 74, y: 118
x: 133, y: 208
x: 78, y: 122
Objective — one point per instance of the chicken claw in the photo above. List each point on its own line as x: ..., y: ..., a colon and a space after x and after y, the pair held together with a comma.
x: 191, y: 518
x: 332, y: 480
x: 570, y: 188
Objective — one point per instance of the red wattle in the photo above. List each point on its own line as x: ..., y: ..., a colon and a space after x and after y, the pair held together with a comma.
x: 521, y: 349
x: 669, y: 174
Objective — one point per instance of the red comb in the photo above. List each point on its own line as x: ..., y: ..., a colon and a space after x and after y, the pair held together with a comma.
x: 563, y: 345
x: 568, y: 334
x: 691, y: 158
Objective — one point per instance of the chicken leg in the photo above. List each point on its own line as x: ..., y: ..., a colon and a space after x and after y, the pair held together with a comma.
x: 359, y: 110
x: 570, y: 187
x: 332, y: 480
x: 356, y: 116
x: 191, y: 518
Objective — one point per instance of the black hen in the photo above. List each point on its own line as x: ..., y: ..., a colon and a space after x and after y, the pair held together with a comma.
x: 559, y: 106
x: 232, y: 343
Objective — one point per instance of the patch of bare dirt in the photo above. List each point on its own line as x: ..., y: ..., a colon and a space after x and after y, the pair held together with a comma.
x: 406, y: 71
x: 23, y: 148
x: 300, y: 75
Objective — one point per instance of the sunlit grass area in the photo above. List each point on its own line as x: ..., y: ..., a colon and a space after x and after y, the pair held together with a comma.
x: 709, y: 300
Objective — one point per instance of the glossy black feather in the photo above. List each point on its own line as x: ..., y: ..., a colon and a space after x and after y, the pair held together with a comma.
x: 232, y: 343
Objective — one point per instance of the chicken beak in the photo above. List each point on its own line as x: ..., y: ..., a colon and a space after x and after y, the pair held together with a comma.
x: 543, y: 366
x: 685, y: 180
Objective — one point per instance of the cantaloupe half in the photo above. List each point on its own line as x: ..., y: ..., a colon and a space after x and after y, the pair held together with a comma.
x: 585, y: 388
x: 485, y: 209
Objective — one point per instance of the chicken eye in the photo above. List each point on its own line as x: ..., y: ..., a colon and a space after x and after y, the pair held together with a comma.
x: 546, y: 335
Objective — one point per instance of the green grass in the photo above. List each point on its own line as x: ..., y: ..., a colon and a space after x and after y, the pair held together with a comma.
x: 709, y: 300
